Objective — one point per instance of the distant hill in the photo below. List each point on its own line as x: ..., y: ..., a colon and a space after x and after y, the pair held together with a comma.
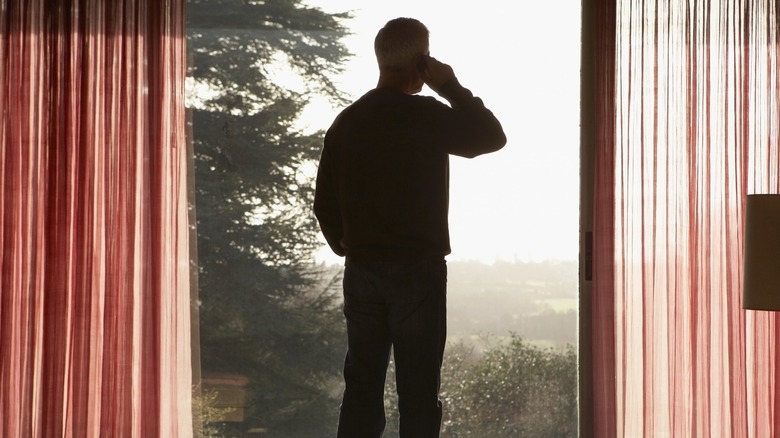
x: 537, y: 301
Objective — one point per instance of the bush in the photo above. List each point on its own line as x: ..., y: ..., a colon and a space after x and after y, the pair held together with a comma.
x: 515, y: 389
x: 512, y: 389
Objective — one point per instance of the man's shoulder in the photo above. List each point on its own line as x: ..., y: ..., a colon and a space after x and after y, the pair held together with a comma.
x: 390, y: 97
x: 384, y: 102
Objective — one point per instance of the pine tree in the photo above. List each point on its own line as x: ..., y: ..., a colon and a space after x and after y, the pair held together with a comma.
x: 266, y: 311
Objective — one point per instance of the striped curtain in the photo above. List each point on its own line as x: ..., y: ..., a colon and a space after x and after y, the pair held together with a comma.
x: 94, y: 275
x: 689, y: 125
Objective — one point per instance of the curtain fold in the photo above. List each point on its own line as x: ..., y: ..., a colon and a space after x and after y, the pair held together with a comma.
x: 690, y: 127
x: 94, y: 256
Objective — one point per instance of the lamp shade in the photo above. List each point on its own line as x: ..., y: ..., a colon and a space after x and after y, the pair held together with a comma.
x: 761, y: 281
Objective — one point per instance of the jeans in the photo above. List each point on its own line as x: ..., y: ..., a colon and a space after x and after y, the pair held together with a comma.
x: 400, y: 305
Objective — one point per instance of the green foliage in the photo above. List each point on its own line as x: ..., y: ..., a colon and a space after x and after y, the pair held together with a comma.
x: 204, y: 407
x: 513, y: 389
x: 516, y: 389
x: 266, y: 312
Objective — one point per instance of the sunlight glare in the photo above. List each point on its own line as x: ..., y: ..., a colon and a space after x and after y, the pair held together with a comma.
x: 521, y: 203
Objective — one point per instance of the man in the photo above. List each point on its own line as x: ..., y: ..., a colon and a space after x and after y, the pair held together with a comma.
x: 382, y: 201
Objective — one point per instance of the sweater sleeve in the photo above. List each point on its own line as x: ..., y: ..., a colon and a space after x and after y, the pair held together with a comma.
x: 326, y: 207
x: 473, y: 129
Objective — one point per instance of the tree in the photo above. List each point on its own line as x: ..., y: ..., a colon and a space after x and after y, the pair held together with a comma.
x: 515, y: 389
x: 266, y: 311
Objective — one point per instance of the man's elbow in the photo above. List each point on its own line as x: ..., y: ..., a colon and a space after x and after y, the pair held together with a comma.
x: 493, y: 144
x: 500, y: 141
x: 497, y: 142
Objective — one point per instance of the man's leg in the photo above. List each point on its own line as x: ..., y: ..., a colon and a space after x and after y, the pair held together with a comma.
x: 419, y: 330
x: 365, y: 367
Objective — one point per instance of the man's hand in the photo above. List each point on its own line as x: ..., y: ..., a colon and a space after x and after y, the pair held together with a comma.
x: 436, y: 74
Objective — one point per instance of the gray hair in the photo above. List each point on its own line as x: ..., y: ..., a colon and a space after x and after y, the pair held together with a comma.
x: 399, y: 42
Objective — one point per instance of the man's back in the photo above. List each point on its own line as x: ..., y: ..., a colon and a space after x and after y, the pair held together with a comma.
x: 387, y: 159
x: 391, y: 172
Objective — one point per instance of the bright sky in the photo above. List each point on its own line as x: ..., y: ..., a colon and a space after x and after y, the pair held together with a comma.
x: 522, y: 59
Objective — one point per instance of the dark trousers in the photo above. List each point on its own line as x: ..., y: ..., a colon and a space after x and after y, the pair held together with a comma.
x: 400, y: 305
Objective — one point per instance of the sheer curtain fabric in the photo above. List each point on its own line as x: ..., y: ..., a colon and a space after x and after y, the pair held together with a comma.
x: 94, y: 275
x: 688, y: 126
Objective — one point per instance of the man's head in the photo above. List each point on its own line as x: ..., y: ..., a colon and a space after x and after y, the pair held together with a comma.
x: 399, y: 45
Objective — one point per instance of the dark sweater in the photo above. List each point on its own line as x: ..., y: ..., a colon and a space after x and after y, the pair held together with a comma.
x: 383, y: 181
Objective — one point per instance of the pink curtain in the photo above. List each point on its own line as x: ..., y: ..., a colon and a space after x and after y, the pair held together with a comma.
x: 94, y: 275
x: 689, y: 124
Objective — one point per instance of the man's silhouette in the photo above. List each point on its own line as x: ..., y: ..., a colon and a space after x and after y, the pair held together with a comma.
x: 382, y: 201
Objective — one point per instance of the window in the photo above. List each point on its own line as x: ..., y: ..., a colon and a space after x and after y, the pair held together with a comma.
x: 265, y: 82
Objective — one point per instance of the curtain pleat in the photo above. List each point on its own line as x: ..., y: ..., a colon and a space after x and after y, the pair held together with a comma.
x: 94, y: 257
x: 694, y: 129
